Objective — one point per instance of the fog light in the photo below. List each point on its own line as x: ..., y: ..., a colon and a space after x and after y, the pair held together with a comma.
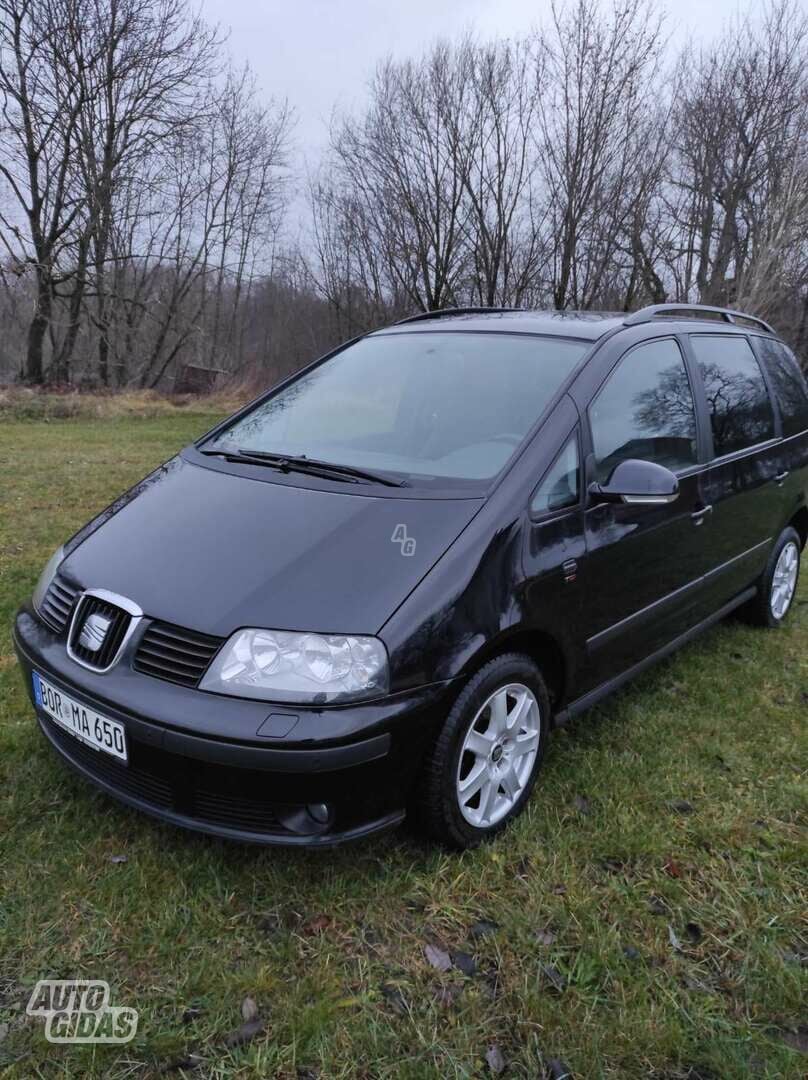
x: 319, y: 812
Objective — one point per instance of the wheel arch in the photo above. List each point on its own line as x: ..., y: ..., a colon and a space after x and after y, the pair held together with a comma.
x: 800, y: 522
x: 540, y: 646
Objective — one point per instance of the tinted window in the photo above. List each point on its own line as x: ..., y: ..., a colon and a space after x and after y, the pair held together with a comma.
x: 559, y: 488
x: 789, y: 385
x: 738, y: 401
x: 431, y: 405
x: 645, y: 410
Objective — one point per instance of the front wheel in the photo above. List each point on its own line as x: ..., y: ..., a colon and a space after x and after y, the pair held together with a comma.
x: 482, y: 768
x: 778, y: 585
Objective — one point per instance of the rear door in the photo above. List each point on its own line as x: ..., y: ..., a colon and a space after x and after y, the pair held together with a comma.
x: 742, y: 484
x: 644, y: 563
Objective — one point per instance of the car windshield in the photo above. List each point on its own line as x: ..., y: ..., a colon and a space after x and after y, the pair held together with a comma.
x: 420, y: 406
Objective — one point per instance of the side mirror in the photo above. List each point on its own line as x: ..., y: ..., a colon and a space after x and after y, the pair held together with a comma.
x: 638, y: 482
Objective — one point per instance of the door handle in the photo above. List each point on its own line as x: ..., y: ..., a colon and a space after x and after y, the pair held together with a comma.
x: 698, y: 516
x: 781, y: 478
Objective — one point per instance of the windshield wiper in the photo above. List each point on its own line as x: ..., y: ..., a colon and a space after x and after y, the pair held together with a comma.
x: 301, y: 463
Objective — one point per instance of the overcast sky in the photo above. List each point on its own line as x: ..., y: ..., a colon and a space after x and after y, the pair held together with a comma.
x: 320, y: 53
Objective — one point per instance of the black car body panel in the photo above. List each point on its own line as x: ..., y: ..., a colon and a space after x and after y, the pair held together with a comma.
x: 319, y: 560
x: 595, y: 590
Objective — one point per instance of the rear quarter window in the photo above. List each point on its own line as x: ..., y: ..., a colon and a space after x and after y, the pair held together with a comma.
x: 741, y: 413
x: 789, y: 385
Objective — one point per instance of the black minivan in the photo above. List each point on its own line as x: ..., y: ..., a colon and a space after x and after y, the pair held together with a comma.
x: 377, y: 588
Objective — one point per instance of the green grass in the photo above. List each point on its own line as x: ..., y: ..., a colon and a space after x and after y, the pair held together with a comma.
x: 330, y: 945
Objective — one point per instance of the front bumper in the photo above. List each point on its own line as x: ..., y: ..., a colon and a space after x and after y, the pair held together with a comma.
x: 196, y: 759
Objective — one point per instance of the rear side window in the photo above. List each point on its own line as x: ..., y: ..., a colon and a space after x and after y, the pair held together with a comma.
x: 645, y: 410
x: 560, y: 487
x: 789, y: 385
x: 740, y: 409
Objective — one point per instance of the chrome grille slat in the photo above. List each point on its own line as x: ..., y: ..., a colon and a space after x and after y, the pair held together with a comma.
x: 175, y: 654
x: 57, y: 604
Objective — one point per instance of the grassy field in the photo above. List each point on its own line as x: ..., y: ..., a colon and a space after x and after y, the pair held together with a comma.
x: 646, y: 917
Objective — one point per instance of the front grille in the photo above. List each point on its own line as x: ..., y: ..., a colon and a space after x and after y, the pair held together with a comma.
x: 218, y: 795
x: 57, y: 605
x: 236, y: 812
x: 175, y: 654
x: 119, y: 621
x: 139, y: 778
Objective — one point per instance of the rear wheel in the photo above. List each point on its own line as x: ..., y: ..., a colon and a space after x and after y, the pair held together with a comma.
x: 482, y: 768
x: 778, y: 585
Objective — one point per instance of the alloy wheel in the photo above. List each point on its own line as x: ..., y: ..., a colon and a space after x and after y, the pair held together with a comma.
x: 784, y: 580
x: 498, y: 755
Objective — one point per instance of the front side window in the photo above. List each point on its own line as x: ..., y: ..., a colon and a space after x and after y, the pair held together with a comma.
x: 433, y: 406
x: 645, y: 410
x: 789, y: 385
x: 737, y: 399
x: 560, y: 487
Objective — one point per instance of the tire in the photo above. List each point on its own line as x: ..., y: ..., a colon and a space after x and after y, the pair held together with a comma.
x: 778, y: 583
x: 505, y: 699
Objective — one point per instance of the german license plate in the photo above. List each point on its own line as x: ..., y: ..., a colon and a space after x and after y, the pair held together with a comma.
x: 85, y: 724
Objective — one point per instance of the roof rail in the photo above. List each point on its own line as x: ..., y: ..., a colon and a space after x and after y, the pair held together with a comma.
x: 440, y: 313
x: 646, y: 314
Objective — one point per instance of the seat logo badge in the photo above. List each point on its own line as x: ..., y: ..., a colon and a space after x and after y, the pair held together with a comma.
x: 94, y: 632
x: 400, y: 537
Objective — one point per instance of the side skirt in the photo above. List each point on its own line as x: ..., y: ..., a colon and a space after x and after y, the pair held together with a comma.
x: 594, y: 696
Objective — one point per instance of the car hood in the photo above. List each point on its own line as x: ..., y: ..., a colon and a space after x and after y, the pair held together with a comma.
x: 214, y: 551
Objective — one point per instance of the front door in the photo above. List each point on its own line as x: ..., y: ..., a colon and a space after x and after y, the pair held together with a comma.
x: 643, y: 569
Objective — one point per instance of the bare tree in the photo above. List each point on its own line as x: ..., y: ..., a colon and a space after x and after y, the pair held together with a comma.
x: 42, y: 98
x: 601, y: 72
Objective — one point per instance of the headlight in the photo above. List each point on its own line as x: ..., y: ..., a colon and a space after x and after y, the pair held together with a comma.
x: 279, y: 665
x: 47, y: 576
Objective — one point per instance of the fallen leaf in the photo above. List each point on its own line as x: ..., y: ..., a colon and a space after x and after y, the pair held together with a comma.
x: 464, y: 962
x: 582, y: 805
x: 545, y: 936
x: 119, y: 858
x: 495, y: 1059
x: 682, y: 806
x: 437, y: 958
x: 672, y: 869
x: 657, y: 906
x: 317, y: 925
x: 557, y: 1070
x: 482, y: 928
x: 797, y: 1038
x: 249, y: 1010
x: 246, y: 1033
x: 557, y: 981
x: 674, y: 940
x: 394, y: 998
x: 613, y: 866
